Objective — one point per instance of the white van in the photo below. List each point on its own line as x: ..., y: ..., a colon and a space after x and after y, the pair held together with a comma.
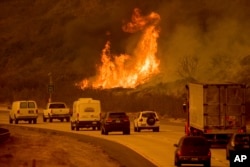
x: 23, y: 110
x: 86, y: 114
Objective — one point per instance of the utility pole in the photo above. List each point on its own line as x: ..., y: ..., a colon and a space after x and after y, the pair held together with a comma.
x: 50, y: 87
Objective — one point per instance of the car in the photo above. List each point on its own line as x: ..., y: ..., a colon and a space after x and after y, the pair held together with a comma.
x: 115, y: 122
x: 56, y: 110
x: 192, y: 150
x: 23, y: 110
x: 238, y: 142
x: 147, y: 120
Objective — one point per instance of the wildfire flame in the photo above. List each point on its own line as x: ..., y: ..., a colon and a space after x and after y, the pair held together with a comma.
x: 124, y: 70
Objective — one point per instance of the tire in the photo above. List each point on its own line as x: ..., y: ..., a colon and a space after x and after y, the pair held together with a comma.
x: 98, y: 127
x: 67, y: 119
x: 156, y: 129
x: 44, y: 119
x: 50, y: 120
x: 61, y: 119
x: 138, y: 129
x: 105, y: 131
x: 34, y: 121
x: 10, y: 120
x: 126, y: 132
x: 135, y: 129
x: 151, y: 121
x: 77, y: 128
x: 176, y: 162
x: 30, y: 121
x: 207, y: 164
x: 16, y: 121
x: 72, y: 127
x: 93, y: 128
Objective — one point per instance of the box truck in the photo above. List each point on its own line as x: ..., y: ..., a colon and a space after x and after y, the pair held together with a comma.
x: 215, y: 110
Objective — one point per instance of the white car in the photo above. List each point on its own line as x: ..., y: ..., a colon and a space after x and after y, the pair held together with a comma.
x: 147, y: 120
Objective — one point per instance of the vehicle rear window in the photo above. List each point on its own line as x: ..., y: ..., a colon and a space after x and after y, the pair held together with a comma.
x: 31, y: 105
x: 89, y: 109
x: 23, y: 105
x: 242, y: 139
x: 117, y: 115
x: 194, y: 142
x: 148, y: 115
x: 58, y: 105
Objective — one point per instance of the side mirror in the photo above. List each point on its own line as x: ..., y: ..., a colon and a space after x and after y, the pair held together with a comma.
x: 176, y: 145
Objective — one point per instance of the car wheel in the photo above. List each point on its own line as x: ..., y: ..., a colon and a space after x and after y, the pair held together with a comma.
x: 207, y: 164
x: 50, y: 119
x: 61, y: 119
x: 98, y: 128
x: 156, y: 129
x: 72, y: 127
x: 93, y: 128
x: 105, y: 131
x: 30, y: 121
x: 34, y: 121
x: 67, y: 119
x: 77, y: 128
x: 10, y: 120
x: 177, y: 162
x: 44, y: 119
x: 126, y: 132
x: 135, y: 129
x: 16, y: 121
x: 138, y: 129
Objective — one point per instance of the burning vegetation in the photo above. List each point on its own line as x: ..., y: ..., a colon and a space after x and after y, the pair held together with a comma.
x: 125, y: 70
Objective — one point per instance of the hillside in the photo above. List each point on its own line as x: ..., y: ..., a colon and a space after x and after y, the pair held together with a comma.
x: 197, y: 40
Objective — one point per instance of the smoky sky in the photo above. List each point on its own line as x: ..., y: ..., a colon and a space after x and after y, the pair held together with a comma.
x: 215, y: 32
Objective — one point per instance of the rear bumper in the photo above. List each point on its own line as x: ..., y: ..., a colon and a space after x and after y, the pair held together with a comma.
x: 60, y: 116
x: 117, y: 127
x: 26, y: 117
x: 194, y: 159
x: 88, y: 123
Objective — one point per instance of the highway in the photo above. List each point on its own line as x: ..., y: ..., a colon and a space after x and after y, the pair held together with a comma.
x: 155, y: 146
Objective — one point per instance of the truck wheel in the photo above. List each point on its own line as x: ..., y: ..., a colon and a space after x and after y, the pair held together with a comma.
x: 126, y: 132
x: 138, y: 129
x: 61, y: 119
x: 16, y: 121
x: 50, y: 119
x: 93, y: 128
x: 44, y: 119
x: 77, y: 128
x: 207, y: 164
x: 98, y: 127
x: 135, y: 130
x: 72, y: 127
x: 30, y: 121
x: 67, y: 119
x: 34, y: 121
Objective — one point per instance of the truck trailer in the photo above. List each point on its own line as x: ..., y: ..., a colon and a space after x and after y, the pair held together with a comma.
x: 215, y: 110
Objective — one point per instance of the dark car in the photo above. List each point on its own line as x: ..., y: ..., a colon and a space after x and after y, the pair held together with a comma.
x: 193, y: 150
x: 115, y: 122
x: 238, y: 142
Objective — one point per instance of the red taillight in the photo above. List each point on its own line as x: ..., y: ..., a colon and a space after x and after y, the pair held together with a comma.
x: 179, y: 152
x: 18, y: 111
x: 209, y: 154
x: 37, y: 111
x: 109, y: 120
x: 240, y: 130
x: 208, y: 130
x: 141, y: 120
x: 126, y: 119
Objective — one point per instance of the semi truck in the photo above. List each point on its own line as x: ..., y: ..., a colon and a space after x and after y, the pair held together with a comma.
x: 215, y: 110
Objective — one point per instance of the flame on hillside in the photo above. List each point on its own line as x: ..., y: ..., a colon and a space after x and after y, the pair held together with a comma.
x: 124, y: 70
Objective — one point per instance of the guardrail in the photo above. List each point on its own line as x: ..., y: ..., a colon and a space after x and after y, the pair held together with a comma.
x: 4, y: 134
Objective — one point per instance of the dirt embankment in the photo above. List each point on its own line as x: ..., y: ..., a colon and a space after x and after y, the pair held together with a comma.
x: 26, y: 148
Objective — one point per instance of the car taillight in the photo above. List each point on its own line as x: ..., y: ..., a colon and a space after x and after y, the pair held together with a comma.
x: 126, y: 119
x: 240, y: 130
x: 37, y: 111
x: 109, y: 120
x: 179, y: 152
x: 209, y: 154
x: 141, y: 120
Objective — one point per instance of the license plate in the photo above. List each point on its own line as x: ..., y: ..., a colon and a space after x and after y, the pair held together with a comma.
x: 194, y: 159
x: 94, y: 122
x: 31, y: 112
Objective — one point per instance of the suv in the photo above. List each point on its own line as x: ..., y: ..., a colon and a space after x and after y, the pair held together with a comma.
x: 147, y: 120
x: 192, y: 150
x: 115, y: 121
x: 23, y: 111
x: 238, y: 142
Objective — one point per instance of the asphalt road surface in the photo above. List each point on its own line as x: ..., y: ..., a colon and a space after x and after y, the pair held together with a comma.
x: 155, y: 146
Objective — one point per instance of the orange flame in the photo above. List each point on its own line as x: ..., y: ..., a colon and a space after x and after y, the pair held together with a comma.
x: 124, y: 70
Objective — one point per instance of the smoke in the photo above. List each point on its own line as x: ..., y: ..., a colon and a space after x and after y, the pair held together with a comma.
x: 216, y: 32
